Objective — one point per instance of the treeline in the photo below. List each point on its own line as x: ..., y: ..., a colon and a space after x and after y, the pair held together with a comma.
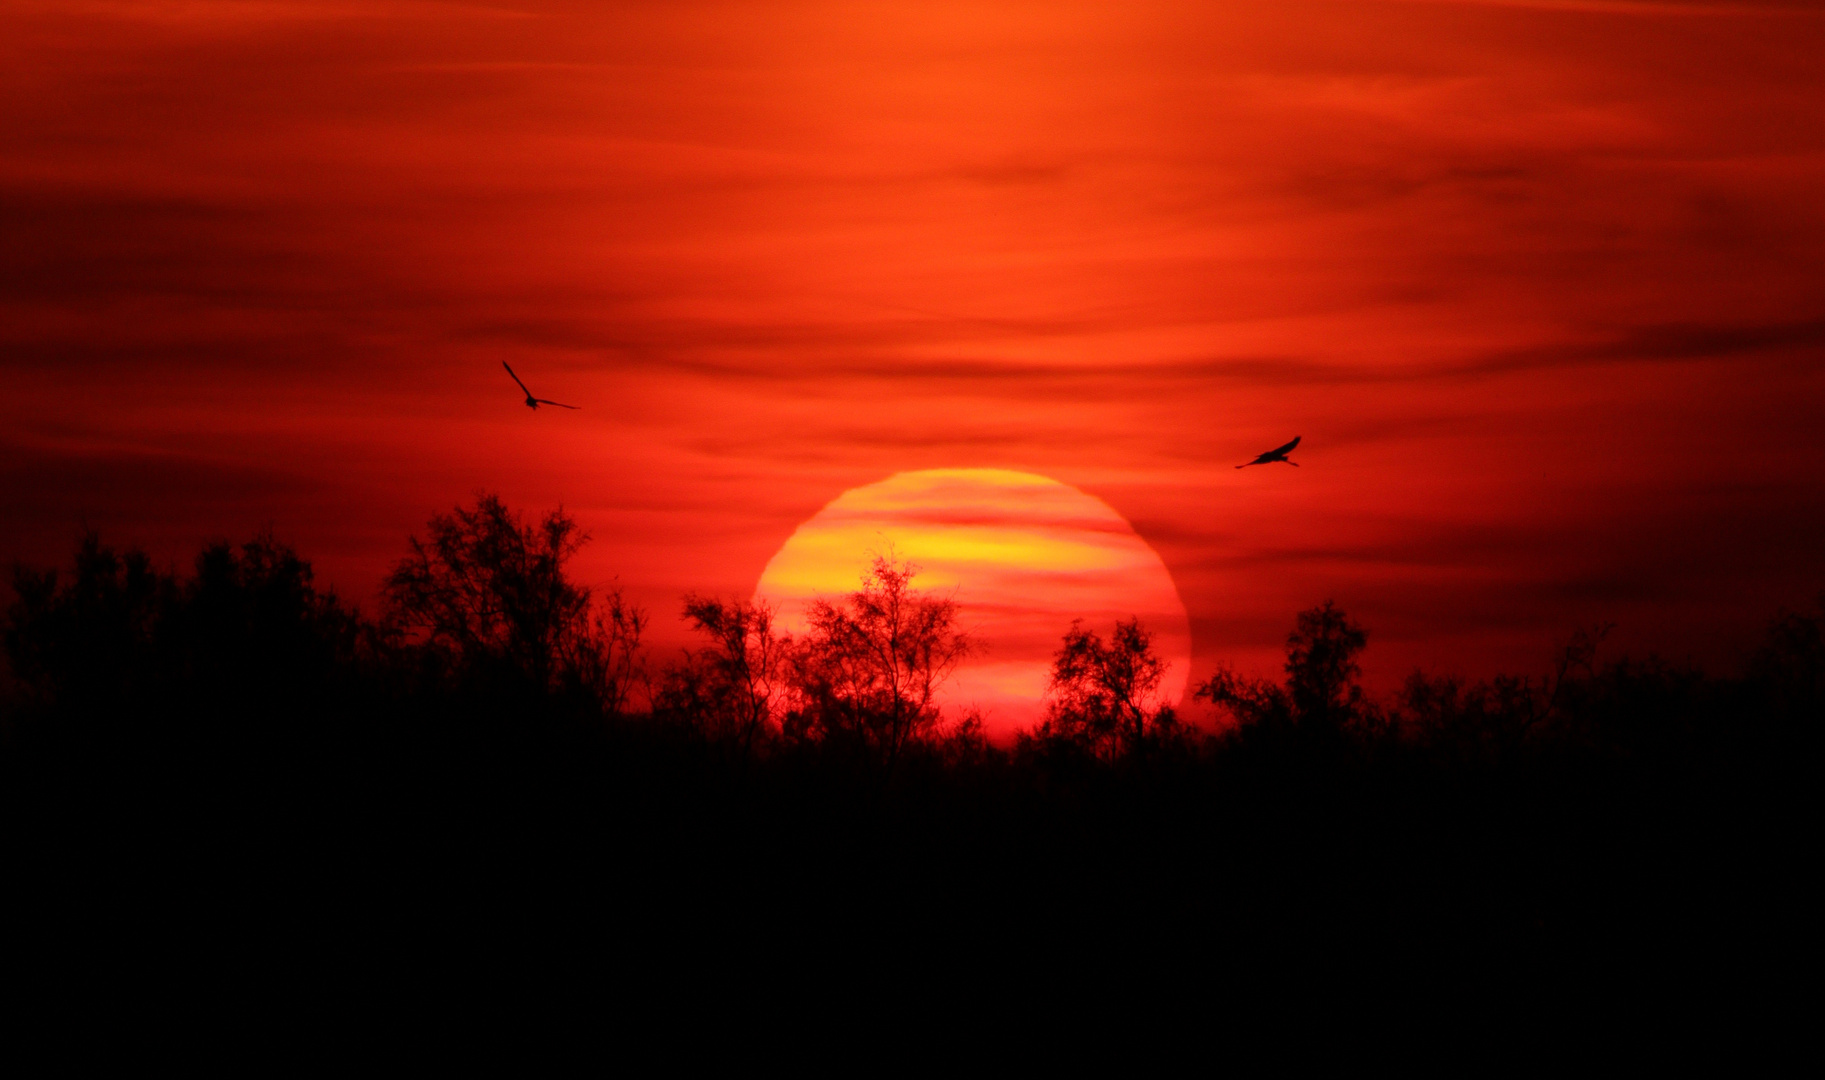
x: 481, y: 617
x: 499, y: 739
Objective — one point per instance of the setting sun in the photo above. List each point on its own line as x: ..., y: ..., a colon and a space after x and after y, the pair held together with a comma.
x: 1022, y: 555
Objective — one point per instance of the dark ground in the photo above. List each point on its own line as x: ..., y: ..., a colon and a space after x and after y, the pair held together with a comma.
x: 238, y: 817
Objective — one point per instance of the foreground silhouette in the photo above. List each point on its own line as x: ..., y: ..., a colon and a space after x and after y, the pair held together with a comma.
x: 229, y: 770
x: 861, y: 682
x: 1104, y: 700
x: 487, y: 602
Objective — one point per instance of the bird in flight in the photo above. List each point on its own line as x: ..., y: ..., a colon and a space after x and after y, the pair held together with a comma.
x: 535, y: 402
x: 1279, y: 454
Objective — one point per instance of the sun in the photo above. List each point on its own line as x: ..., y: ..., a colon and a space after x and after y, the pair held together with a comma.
x: 1021, y: 554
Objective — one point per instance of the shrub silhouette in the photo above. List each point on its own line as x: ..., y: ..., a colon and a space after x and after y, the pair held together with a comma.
x: 122, y: 642
x: 1104, y: 699
x: 1494, y: 720
x: 87, y: 642
x: 1321, y: 698
x: 1321, y: 668
x: 1789, y: 669
x: 867, y: 671
x: 252, y: 624
x: 609, y: 662
x: 733, y: 689
x: 1482, y: 722
x: 487, y: 597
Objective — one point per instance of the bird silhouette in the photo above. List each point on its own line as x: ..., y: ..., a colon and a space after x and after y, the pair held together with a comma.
x: 535, y: 402
x: 1278, y: 454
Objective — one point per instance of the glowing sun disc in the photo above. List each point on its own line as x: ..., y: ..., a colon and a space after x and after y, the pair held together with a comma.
x: 1021, y: 554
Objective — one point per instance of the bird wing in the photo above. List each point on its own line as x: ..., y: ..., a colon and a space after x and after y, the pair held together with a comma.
x: 516, y: 378
x: 1287, y: 449
x: 559, y: 404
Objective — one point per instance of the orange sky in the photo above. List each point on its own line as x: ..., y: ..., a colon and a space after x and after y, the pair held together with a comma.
x: 1542, y: 285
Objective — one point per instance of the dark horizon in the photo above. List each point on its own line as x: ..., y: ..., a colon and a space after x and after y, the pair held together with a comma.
x: 228, y: 780
x: 1198, y: 713
x: 462, y: 557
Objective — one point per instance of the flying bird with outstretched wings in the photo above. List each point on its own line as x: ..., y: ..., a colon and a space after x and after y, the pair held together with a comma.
x: 535, y: 402
x: 1278, y: 454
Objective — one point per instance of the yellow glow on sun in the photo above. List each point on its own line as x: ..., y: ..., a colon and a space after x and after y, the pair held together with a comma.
x: 825, y: 560
x: 1023, y: 555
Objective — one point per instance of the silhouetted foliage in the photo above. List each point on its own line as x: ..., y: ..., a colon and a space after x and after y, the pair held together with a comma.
x: 253, y: 620
x: 1482, y: 722
x: 734, y: 688
x: 609, y: 662
x: 88, y: 640
x: 868, y: 670
x: 1495, y: 720
x: 1105, y: 698
x: 487, y: 596
x: 121, y: 641
x: 1321, y: 668
x: 1321, y: 698
x: 1790, y: 669
x: 1625, y: 709
x: 202, y: 760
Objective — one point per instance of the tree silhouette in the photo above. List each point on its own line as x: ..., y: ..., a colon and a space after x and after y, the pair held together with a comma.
x: 608, y: 661
x: 173, y: 737
x: 1790, y: 665
x: 1105, y: 697
x: 121, y: 645
x: 733, y: 688
x: 1491, y: 720
x: 1321, y: 668
x: 487, y: 593
x: 87, y: 642
x: 870, y: 667
x: 251, y: 623
x: 1321, y: 696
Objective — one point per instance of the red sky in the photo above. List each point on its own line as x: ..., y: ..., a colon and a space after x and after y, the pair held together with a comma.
x: 1542, y: 285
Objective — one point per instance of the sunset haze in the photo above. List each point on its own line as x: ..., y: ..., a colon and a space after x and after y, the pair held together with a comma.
x: 1541, y: 285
